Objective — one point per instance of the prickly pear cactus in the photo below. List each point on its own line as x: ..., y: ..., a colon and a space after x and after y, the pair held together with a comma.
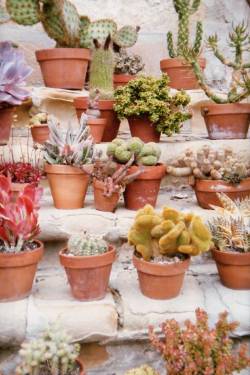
x: 126, y: 36
x: 24, y: 12
x: 143, y: 370
x: 84, y: 244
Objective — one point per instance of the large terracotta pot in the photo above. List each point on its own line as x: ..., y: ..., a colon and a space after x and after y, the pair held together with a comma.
x: 64, y: 68
x: 17, y: 272
x: 68, y: 185
x: 97, y: 127
x: 103, y: 203
x: 6, y: 118
x: 145, y: 188
x: 206, y: 190
x: 40, y: 133
x: 122, y: 79
x: 160, y: 281
x: 88, y: 276
x: 81, y: 105
x: 144, y: 129
x: 226, y: 121
x: 233, y: 268
x: 180, y: 73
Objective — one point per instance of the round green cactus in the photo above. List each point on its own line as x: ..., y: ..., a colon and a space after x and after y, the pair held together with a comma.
x: 135, y: 145
x: 149, y: 154
x: 122, y: 154
x: 126, y: 37
x: 84, y: 244
x: 24, y: 12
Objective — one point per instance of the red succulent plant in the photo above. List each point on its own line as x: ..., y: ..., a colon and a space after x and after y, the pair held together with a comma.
x: 21, y: 172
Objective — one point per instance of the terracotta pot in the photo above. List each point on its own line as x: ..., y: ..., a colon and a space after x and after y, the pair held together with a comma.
x: 68, y: 185
x: 103, y: 203
x: 81, y: 366
x: 226, y: 121
x: 17, y: 272
x: 6, y: 119
x: 160, y: 281
x: 64, y: 68
x: 233, y: 268
x: 145, y: 188
x: 88, y: 276
x: 122, y: 79
x: 40, y: 133
x: 97, y: 127
x: 180, y: 73
x: 81, y: 105
x: 144, y: 129
x: 206, y: 190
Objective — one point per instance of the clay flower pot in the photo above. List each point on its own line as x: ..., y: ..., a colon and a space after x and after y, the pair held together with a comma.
x: 40, y: 133
x: 122, y: 79
x: 160, y: 281
x: 68, y: 185
x: 81, y: 105
x: 180, y: 73
x: 226, y: 121
x: 6, y: 118
x: 103, y: 203
x: 97, y: 127
x: 143, y: 128
x: 81, y: 366
x: 88, y: 276
x: 17, y: 272
x: 233, y: 268
x: 145, y: 188
x: 64, y: 68
x: 206, y: 190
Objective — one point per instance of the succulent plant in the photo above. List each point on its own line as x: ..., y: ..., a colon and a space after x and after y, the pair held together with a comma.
x: 39, y: 119
x: 142, y: 370
x: 84, y: 244
x: 127, y: 64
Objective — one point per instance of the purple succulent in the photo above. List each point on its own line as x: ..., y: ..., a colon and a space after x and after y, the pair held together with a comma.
x: 13, y: 72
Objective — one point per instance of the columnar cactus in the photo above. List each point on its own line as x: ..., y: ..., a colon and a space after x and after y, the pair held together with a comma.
x: 84, y: 244
x: 142, y: 370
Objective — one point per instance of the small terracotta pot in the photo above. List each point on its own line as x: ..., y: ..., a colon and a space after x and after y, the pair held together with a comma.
x: 226, y: 121
x: 64, y: 68
x: 144, y: 129
x: 180, y: 73
x: 40, y: 133
x: 122, y: 79
x: 17, y: 272
x: 206, y: 190
x: 68, y: 185
x: 6, y: 119
x: 233, y: 268
x: 88, y: 276
x: 97, y: 127
x: 160, y: 281
x: 81, y: 105
x: 103, y: 203
x: 81, y: 366
x: 145, y: 188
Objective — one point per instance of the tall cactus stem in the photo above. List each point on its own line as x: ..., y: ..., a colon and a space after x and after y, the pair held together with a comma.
x: 198, y: 38
x: 170, y: 45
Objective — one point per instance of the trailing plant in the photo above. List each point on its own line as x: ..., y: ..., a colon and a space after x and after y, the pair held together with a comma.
x: 198, y: 349
x: 128, y: 64
x: 150, y: 97
x: 39, y: 119
x: 85, y: 244
x: 18, y: 218
x: 169, y: 233
x: 239, y: 42
x: 184, y: 9
x: 142, y: 370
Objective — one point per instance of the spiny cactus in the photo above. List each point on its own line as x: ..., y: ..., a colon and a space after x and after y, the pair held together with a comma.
x: 84, y: 244
x: 169, y: 233
x: 127, y: 64
x: 184, y: 9
x: 39, y: 119
x: 142, y: 370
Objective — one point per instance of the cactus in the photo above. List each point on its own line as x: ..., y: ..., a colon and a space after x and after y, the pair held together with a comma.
x: 127, y: 64
x: 39, y: 119
x: 169, y: 233
x: 24, y: 12
x: 142, y: 370
x: 84, y: 244
x: 184, y: 9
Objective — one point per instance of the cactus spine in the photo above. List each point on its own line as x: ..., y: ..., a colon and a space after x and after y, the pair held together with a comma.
x: 84, y: 244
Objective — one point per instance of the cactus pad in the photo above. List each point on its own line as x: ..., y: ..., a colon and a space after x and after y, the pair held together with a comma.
x: 52, y: 23
x: 85, y: 38
x: 24, y: 12
x: 71, y: 22
x: 126, y: 36
x: 101, y: 29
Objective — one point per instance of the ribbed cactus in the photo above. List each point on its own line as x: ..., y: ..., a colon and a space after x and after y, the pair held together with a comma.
x: 184, y: 9
x: 142, y: 370
x: 84, y: 244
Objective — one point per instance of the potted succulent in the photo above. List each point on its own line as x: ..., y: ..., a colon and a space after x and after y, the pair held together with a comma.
x: 39, y: 127
x: 231, y: 238
x: 213, y: 171
x: 13, y: 72
x: 126, y: 67
x: 198, y: 348
x: 163, y: 245
x: 179, y: 71
x: 226, y: 117
x: 65, y: 152
x: 20, y: 252
x: 52, y: 353
x: 88, y: 261
x: 142, y: 370
x: 150, y: 108
x: 146, y: 185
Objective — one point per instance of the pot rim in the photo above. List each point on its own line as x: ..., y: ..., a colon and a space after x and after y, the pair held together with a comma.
x: 151, y: 172
x: 63, y: 53
x: 63, y: 169
x: 81, y: 102
x: 212, y: 109
x: 39, y: 126
x: 176, y: 62
x: 106, y: 104
x: 97, y: 121
x: 234, y: 258
x: 205, y: 185
x: 80, y: 364
x: 12, y: 259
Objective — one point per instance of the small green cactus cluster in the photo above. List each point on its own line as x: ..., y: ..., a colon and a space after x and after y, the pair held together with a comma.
x: 142, y: 370
x: 184, y: 9
x: 84, y: 244
x: 52, y: 352
x: 147, y: 154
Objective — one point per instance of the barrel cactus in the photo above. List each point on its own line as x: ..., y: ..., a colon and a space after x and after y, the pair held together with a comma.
x: 84, y: 244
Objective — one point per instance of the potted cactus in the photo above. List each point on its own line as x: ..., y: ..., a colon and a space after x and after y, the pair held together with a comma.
x: 163, y: 245
x: 231, y: 238
x: 150, y: 108
x: 50, y: 354
x: 213, y: 171
x: 88, y: 261
x: 65, y: 152
x: 39, y: 127
x: 126, y: 67
x: 20, y: 252
x: 13, y: 72
x: 142, y: 370
x: 227, y: 117
x: 179, y: 71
